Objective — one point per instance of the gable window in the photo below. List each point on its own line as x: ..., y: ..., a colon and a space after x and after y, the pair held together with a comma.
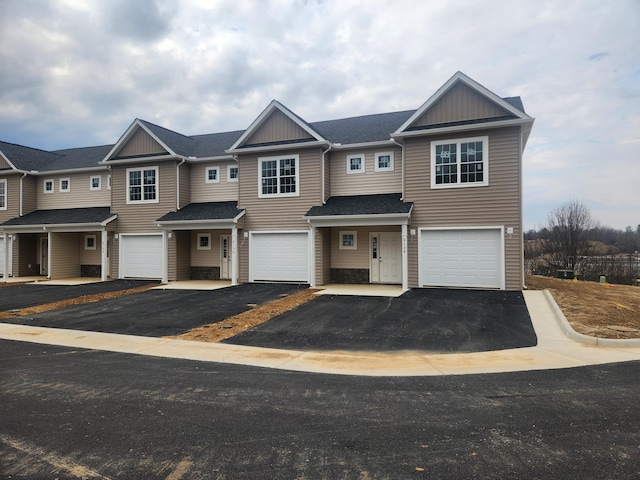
x: 348, y: 240
x: 460, y: 163
x: 204, y: 241
x: 89, y: 242
x: 232, y: 173
x: 48, y: 186
x: 95, y: 183
x: 142, y: 185
x: 355, y: 163
x: 212, y: 175
x: 279, y: 176
x: 384, y: 162
x: 65, y: 185
x: 3, y: 194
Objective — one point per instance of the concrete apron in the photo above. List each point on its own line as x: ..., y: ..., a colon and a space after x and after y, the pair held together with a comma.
x: 555, y: 350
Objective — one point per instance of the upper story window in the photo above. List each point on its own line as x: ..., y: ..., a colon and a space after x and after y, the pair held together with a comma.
x: 384, y: 162
x: 95, y: 183
x: 232, y: 173
x: 279, y: 176
x: 142, y: 185
x: 460, y: 163
x: 212, y: 175
x: 65, y: 185
x: 108, y: 182
x: 3, y: 194
x: 355, y: 163
x: 48, y: 186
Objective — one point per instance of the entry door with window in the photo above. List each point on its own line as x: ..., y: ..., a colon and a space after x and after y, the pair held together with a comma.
x: 225, y: 257
x: 386, y: 257
x: 44, y: 256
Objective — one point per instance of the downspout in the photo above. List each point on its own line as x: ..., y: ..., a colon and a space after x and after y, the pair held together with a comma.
x: 323, y: 170
x: 178, y: 183
x: 22, y: 177
x: 401, y: 145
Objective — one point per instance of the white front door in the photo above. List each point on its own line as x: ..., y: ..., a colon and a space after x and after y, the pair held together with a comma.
x: 386, y: 257
x: 44, y: 256
x: 225, y: 257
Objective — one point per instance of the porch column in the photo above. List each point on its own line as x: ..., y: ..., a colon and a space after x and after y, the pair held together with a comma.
x: 234, y: 256
x: 5, y: 273
x: 405, y: 259
x: 165, y: 257
x: 105, y: 259
x: 49, y: 247
x: 312, y: 257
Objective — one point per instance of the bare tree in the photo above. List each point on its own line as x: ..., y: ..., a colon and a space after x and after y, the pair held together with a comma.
x: 568, y: 227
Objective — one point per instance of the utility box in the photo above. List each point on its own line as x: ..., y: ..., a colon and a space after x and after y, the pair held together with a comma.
x: 603, y: 279
x: 566, y: 274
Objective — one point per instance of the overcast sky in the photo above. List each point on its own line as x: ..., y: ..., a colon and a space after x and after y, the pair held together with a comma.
x: 78, y: 72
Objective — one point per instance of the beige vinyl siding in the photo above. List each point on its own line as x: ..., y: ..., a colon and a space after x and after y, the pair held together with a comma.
x: 91, y: 257
x: 185, y: 184
x: 358, y: 258
x: 64, y: 250
x: 279, y: 213
x: 183, y: 256
x: 29, y: 194
x: 497, y: 204
x: 141, y: 218
x: 322, y: 248
x: 458, y: 104
x: 370, y: 182
x: 278, y: 127
x: 207, y: 258
x: 212, y: 192
x: 141, y: 143
x: 327, y: 177
x: 79, y: 194
x: 4, y: 163
x: 13, y: 198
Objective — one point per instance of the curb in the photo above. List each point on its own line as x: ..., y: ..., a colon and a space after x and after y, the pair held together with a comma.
x: 570, y: 333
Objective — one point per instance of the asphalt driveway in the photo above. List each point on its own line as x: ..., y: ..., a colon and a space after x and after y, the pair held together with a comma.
x: 435, y: 320
x: 156, y: 313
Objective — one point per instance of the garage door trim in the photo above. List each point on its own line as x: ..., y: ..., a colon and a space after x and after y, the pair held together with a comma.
x: 501, y: 253
x: 253, y: 235
x: 122, y: 252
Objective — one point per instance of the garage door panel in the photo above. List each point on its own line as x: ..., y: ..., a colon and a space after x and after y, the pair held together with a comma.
x: 141, y: 256
x: 461, y: 258
x: 280, y: 257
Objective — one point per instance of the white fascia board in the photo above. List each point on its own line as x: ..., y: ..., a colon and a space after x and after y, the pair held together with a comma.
x: 69, y: 171
x: 359, y: 220
x: 283, y: 146
x: 127, y: 135
x: 459, y: 76
x: 379, y: 143
x: 218, y: 158
x: 197, y: 224
x: 130, y: 160
x: 459, y: 128
x: 109, y: 220
x: 58, y: 227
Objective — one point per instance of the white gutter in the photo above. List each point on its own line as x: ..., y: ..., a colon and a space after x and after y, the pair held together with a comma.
x: 458, y: 128
x: 379, y: 143
x: 178, y: 183
x: 281, y: 146
x: 323, y: 170
x: 155, y: 158
x: 67, y: 171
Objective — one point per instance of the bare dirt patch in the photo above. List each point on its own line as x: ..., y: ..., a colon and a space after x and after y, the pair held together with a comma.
x: 72, y: 301
x: 232, y: 326
x: 595, y: 309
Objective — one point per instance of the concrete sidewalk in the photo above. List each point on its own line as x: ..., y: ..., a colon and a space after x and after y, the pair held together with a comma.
x: 558, y: 347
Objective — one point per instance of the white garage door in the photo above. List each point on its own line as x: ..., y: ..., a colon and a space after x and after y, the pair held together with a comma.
x: 279, y: 257
x: 141, y: 256
x: 461, y: 258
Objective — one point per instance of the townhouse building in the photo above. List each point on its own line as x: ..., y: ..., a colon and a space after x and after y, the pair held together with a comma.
x: 430, y: 197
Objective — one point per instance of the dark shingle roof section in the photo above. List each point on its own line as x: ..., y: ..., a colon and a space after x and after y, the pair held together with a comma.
x: 62, y: 216
x: 367, y: 128
x: 383, y: 204
x: 204, y: 211
x: 27, y: 158
x: 180, y: 144
x: 515, y: 102
x: 214, y: 144
x: 86, y: 157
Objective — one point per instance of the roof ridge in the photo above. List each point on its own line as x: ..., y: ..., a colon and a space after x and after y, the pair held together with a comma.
x: 163, y: 128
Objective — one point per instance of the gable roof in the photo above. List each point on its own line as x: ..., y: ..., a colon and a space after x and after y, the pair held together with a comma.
x: 34, y: 160
x: 386, y: 208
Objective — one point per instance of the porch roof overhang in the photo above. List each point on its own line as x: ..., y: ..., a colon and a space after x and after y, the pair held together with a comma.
x: 361, y: 210
x: 203, y: 216
x: 61, y: 220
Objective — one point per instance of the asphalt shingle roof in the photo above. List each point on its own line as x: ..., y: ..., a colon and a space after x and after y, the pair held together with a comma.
x: 367, y: 128
x: 62, y: 216
x: 382, y: 204
x: 204, y: 211
x: 27, y: 158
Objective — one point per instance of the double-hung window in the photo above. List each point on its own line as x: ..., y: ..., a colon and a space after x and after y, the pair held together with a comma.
x: 460, y: 162
x: 65, y: 185
x: 95, y: 183
x: 212, y: 175
x: 142, y: 185
x: 232, y: 173
x: 3, y: 194
x: 279, y: 176
x: 48, y: 186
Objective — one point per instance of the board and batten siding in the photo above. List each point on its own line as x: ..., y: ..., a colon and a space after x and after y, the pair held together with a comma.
x: 460, y: 103
x: 279, y: 213
x: 498, y: 204
x: 65, y: 250
x: 277, y: 128
x: 369, y: 182
x: 79, y: 195
x: 141, y: 143
x: 212, y: 192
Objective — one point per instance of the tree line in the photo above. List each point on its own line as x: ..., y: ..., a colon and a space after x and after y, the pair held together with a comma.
x: 573, y: 241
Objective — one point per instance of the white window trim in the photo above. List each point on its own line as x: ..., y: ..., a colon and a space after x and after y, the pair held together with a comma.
x: 53, y: 185
x: 65, y: 190
x: 5, y: 196
x: 296, y: 157
x: 108, y: 182
x: 199, y: 236
x: 361, y: 170
x: 342, y: 246
x: 229, y: 179
x: 485, y: 162
x: 142, y: 200
x: 384, y: 169
x: 86, y: 242
x: 206, y: 174
x: 99, y: 187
